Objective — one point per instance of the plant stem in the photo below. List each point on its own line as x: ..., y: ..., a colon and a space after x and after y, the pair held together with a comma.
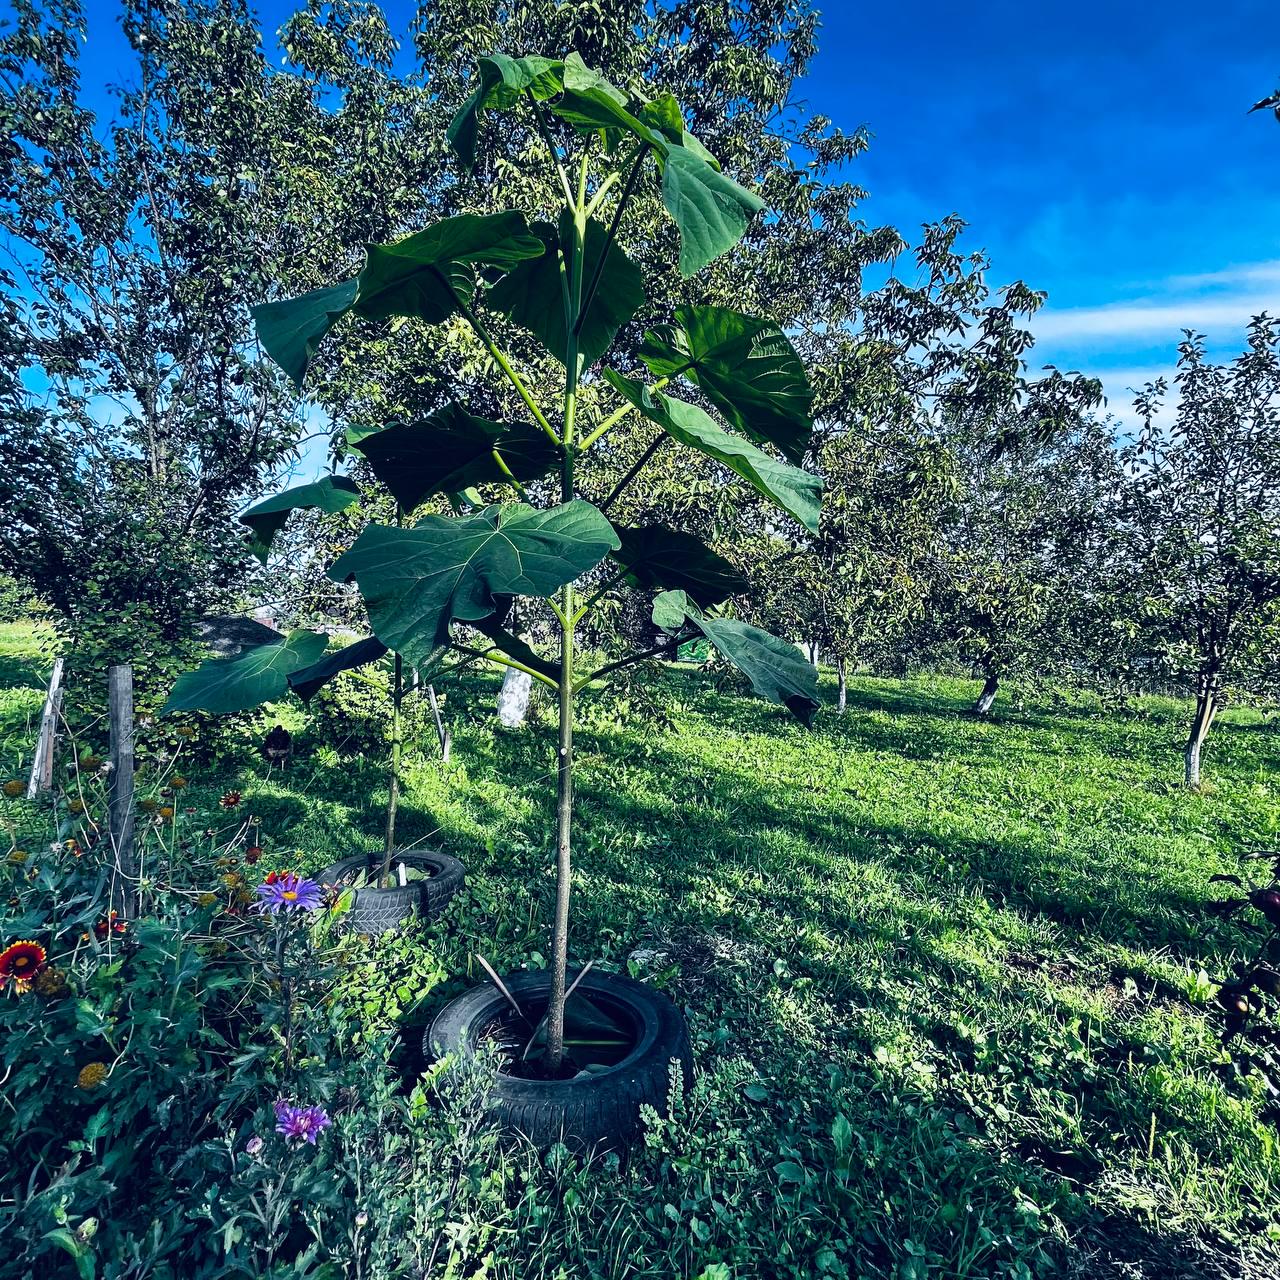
x: 499, y: 357
x: 564, y: 762
x: 393, y: 782
x: 633, y: 472
x: 393, y: 787
x: 618, y: 414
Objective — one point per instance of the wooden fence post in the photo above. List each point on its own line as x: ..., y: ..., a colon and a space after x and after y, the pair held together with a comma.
x: 124, y: 870
x: 42, y: 766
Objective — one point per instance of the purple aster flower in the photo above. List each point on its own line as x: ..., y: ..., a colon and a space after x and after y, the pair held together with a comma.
x: 285, y: 891
x: 302, y: 1123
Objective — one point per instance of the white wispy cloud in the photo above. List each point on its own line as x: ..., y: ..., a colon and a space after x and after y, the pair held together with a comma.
x: 1216, y: 302
x: 1152, y: 318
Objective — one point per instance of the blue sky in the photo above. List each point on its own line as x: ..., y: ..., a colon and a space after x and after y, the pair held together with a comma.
x: 1102, y: 152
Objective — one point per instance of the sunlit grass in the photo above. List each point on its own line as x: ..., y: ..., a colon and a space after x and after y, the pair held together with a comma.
x: 981, y: 945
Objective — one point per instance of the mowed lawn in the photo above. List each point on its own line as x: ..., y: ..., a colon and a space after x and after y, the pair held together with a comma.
x: 949, y: 981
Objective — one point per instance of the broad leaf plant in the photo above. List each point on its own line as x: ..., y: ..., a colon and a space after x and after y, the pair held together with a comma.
x: 442, y: 585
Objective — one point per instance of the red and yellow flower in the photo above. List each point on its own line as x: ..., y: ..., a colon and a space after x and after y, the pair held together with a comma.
x: 108, y: 925
x: 21, y: 963
x: 230, y: 799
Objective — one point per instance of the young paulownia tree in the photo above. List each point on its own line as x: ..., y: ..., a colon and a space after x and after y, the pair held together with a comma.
x: 443, y: 585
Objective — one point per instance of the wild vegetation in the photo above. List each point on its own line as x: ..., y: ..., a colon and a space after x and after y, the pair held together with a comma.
x: 884, y: 801
x: 950, y: 983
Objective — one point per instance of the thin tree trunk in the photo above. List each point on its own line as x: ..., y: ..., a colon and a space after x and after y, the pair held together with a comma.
x: 990, y: 687
x: 813, y: 652
x: 1202, y: 721
x: 564, y: 827
x: 842, y: 685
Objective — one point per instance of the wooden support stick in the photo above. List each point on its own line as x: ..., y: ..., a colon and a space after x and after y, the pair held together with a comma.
x: 124, y: 870
x: 42, y: 766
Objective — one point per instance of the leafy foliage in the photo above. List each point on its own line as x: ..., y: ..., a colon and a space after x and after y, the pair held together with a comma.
x: 1204, y: 506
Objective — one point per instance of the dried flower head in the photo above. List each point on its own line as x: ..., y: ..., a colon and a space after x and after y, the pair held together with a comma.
x: 14, y: 788
x: 166, y: 811
x: 75, y: 805
x: 50, y: 983
x: 185, y: 731
x: 17, y: 857
x: 177, y: 782
x: 206, y: 899
x: 148, y: 805
x: 253, y: 853
x: 92, y: 1074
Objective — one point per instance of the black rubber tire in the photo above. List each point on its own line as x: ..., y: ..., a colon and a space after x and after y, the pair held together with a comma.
x: 380, y: 910
x: 599, y: 1112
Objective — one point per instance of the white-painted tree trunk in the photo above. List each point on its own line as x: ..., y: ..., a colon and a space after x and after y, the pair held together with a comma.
x: 987, y: 697
x: 513, y: 698
x: 1206, y: 709
x: 842, y: 683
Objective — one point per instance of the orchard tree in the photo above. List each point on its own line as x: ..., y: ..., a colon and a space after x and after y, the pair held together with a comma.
x: 913, y: 411
x: 138, y: 244
x: 1204, y: 508
x: 1027, y: 552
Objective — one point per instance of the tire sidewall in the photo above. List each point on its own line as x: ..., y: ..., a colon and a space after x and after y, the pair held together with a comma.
x: 377, y: 910
x: 615, y: 1092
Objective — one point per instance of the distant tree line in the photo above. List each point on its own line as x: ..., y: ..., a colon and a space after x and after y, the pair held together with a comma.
x: 978, y: 511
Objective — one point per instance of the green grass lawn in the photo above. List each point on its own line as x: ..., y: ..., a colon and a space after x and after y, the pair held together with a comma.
x: 944, y: 978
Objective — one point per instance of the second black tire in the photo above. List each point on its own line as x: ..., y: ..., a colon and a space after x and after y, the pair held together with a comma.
x: 375, y: 910
x: 600, y: 1111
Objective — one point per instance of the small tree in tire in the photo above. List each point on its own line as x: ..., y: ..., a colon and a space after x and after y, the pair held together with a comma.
x: 442, y: 586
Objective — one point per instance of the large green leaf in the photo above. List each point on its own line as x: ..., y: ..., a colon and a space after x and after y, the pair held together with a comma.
x: 590, y: 102
x: 661, y: 558
x: 291, y: 330
x: 420, y: 275
x: 532, y: 294
x: 710, y: 210
x: 746, y: 366
x: 329, y: 493
x: 306, y: 682
x: 777, y: 670
x: 502, y: 82
x: 797, y: 492
x: 417, y: 581
x: 583, y: 97
x: 451, y: 450
x: 249, y: 679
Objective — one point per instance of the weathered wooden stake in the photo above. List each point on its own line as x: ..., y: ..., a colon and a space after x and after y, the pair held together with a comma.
x: 124, y: 871
x: 446, y: 741
x: 42, y: 766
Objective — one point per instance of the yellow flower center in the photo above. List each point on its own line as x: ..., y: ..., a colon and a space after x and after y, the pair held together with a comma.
x: 290, y: 895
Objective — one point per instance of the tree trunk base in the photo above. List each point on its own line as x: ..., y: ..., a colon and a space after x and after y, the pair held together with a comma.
x: 990, y: 687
